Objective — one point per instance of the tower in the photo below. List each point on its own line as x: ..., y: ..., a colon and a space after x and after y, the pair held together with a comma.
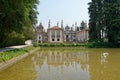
x: 75, y: 26
x: 85, y: 24
x: 41, y: 27
x: 72, y: 27
x: 57, y: 24
x: 49, y: 23
x: 62, y: 24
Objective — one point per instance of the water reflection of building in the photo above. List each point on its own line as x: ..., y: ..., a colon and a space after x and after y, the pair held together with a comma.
x: 40, y: 58
x: 55, y: 59
x: 98, y: 67
x: 58, y: 59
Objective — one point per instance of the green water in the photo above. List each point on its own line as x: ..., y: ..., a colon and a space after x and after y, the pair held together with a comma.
x: 66, y: 64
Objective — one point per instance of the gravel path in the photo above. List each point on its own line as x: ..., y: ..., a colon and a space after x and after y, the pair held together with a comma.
x: 13, y: 47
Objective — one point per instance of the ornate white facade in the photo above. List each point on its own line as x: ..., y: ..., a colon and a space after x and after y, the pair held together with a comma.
x: 58, y: 34
x: 69, y: 34
x: 55, y: 34
x: 41, y: 35
x: 82, y: 36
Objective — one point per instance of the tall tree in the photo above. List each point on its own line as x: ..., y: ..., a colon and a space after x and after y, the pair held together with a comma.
x: 92, y: 21
x: 83, y: 25
x: 15, y: 17
x: 104, y: 19
x: 112, y: 20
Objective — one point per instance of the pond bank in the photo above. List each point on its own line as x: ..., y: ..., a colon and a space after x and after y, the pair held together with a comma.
x: 7, y: 63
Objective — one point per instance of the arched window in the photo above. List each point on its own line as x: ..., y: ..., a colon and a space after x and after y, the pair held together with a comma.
x: 58, y: 33
x: 53, y: 33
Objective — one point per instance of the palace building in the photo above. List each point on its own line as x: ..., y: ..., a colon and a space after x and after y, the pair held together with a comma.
x: 60, y: 34
x: 41, y: 35
x: 55, y: 34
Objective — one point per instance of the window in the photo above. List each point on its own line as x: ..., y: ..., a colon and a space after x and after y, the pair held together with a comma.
x: 66, y: 36
x: 58, y: 33
x: 39, y: 37
x: 53, y: 39
x: 53, y: 33
x: 58, y: 39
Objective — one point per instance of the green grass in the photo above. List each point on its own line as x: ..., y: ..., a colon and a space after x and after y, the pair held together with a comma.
x: 7, y: 55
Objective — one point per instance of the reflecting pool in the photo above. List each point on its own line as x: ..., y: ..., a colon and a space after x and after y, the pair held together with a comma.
x: 66, y: 64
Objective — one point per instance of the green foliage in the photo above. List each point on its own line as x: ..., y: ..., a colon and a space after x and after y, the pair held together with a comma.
x: 104, y: 20
x: 83, y: 25
x: 35, y: 44
x: 28, y: 33
x: 15, y: 39
x: 103, y: 45
x: 62, y: 45
x: 7, y: 55
x: 17, y: 16
x: 93, y: 44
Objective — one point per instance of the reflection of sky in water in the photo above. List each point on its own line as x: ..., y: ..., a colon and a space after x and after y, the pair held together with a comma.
x: 37, y: 69
x: 61, y: 66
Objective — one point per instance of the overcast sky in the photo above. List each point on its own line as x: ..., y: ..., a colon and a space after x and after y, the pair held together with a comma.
x: 70, y: 11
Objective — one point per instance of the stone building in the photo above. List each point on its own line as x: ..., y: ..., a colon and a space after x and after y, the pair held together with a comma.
x: 55, y: 34
x: 83, y: 35
x: 41, y: 35
x: 69, y: 34
x: 59, y: 34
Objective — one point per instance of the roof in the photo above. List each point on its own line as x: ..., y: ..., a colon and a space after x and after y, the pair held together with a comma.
x: 55, y: 28
x: 67, y: 27
x: 83, y: 30
x: 70, y: 31
x: 40, y: 26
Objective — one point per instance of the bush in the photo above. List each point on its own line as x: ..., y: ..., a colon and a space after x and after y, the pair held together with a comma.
x: 14, y: 39
x: 62, y: 45
x: 7, y: 55
x: 35, y: 44
x: 103, y: 45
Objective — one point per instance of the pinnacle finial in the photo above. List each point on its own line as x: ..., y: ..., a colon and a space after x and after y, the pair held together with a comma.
x: 57, y: 23
x: 49, y: 23
x: 75, y: 26
x: 61, y: 23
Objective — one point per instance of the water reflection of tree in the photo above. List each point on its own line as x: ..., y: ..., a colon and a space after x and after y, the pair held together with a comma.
x: 104, y: 67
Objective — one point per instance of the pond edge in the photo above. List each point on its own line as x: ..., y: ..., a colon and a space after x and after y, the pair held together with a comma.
x: 4, y: 65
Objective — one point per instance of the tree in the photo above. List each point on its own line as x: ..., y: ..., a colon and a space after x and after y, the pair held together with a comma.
x: 15, y: 17
x: 92, y: 21
x: 83, y: 25
x: 112, y: 20
x: 104, y: 19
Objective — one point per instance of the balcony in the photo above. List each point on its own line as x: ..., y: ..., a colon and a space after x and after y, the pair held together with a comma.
x: 52, y: 36
x: 58, y: 36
